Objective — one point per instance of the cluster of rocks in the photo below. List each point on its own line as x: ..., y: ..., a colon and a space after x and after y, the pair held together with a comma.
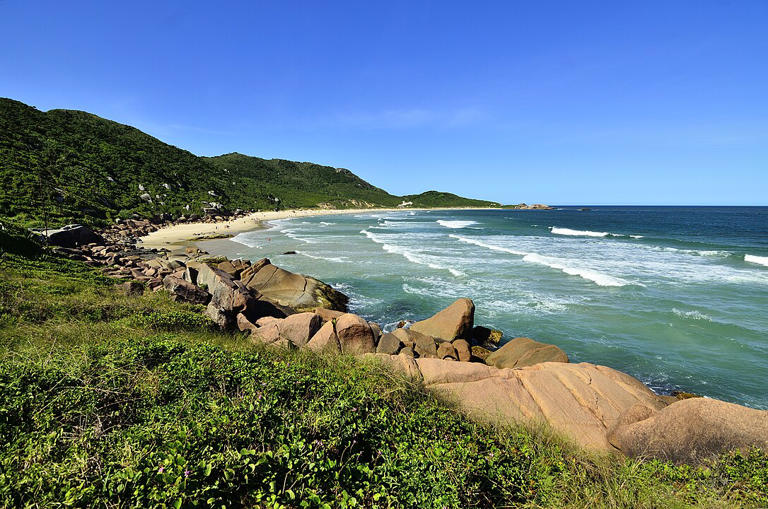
x: 524, y: 380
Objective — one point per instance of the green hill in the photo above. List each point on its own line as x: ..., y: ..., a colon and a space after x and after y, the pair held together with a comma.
x: 75, y: 166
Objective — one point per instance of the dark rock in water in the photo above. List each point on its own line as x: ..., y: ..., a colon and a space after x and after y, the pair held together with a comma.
x: 521, y: 352
x: 73, y: 235
x: 132, y: 288
x: 289, y: 252
x: 485, y: 336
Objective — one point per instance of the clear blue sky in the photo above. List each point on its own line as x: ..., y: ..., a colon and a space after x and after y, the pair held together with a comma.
x: 646, y: 102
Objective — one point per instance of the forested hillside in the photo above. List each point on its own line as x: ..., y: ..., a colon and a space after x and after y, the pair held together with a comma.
x: 75, y: 166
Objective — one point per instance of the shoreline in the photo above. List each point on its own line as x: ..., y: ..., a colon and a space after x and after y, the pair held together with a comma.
x: 178, y: 235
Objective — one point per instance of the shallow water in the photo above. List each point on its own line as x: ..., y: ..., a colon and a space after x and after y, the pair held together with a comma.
x: 675, y: 296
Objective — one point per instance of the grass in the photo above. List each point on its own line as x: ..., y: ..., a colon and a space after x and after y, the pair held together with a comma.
x: 115, y: 401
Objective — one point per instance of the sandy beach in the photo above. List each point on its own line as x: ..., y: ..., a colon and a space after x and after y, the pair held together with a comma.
x: 180, y: 234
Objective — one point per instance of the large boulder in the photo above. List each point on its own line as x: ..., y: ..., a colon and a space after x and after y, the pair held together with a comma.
x: 355, y: 335
x: 296, y: 291
x: 388, y: 344
x: 690, y: 430
x: 299, y: 328
x: 73, y: 235
x: 582, y: 401
x: 325, y: 340
x: 463, y: 350
x: 184, y: 291
x: 521, y: 352
x: 453, y: 322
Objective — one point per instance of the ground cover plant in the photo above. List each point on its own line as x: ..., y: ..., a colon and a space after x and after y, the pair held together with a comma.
x: 108, y: 400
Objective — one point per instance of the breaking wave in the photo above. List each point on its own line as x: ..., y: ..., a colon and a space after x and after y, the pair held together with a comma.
x: 339, y: 259
x: 455, y: 224
x: 409, y: 255
x: 693, y: 314
x: 760, y: 260
x: 587, y: 233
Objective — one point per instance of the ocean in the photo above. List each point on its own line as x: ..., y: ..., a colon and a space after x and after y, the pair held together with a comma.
x: 675, y: 296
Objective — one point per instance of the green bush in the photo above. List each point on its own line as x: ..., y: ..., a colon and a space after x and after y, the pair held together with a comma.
x: 177, y: 320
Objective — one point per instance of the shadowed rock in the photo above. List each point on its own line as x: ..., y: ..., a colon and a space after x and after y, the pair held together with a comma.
x: 184, y: 291
x: 388, y: 344
x: 325, y: 340
x: 355, y: 335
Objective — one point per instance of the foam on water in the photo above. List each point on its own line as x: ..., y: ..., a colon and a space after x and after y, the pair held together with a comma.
x: 411, y: 255
x: 455, y: 224
x: 587, y: 233
x: 588, y: 274
x: 760, y: 260
x: 480, y: 243
x: 339, y: 259
x: 246, y: 239
x: 692, y: 314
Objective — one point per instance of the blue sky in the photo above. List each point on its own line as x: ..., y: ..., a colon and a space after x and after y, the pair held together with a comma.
x: 653, y: 102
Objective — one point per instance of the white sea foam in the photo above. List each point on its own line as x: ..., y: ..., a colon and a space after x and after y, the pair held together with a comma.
x: 325, y: 223
x: 693, y: 314
x: 246, y: 240
x: 587, y: 233
x: 410, y: 255
x: 476, y: 242
x: 339, y: 259
x: 591, y: 275
x: 288, y: 232
x: 760, y: 260
x: 455, y: 224
x: 577, y: 233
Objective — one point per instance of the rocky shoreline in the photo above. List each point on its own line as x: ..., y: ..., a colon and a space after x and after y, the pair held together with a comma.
x: 596, y: 407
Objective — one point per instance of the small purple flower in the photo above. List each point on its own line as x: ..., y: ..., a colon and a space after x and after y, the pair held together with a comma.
x: 354, y: 409
x: 186, y: 473
x: 161, y: 469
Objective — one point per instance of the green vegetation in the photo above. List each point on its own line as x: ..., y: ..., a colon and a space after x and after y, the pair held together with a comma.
x: 109, y: 400
x: 70, y: 166
x: 439, y: 199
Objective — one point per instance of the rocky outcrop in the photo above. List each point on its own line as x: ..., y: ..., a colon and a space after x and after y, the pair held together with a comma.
x: 455, y: 321
x: 325, y: 340
x: 521, y: 352
x: 690, y: 430
x: 296, y: 291
x: 184, y: 291
x: 581, y: 401
x: 73, y: 235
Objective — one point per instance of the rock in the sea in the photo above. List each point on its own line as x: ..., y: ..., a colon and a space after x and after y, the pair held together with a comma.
x: 521, y: 352
x: 73, y: 235
x: 296, y: 291
x: 355, y: 335
x: 184, y: 291
x: 453, y: 322
x: 388, y: 344
x: 463, y: 350
x: 485, y: 336
x: 325, y: 340
x: 690, y: 430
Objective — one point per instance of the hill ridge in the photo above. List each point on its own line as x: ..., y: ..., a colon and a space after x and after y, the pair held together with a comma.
x: 73, y: 165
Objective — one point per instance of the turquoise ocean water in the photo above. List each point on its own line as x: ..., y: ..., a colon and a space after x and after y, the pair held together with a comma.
x: 675, y: 296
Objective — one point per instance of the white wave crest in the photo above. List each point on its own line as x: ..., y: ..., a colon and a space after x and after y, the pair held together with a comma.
x: 339, y: 259
x: 246, y: 240
x: 410, y: 255
x: 288, y: 232
x: 587, y: 233
x: 577, y: 233
x: 693, y: 314
x: 455, y: 224
x: 760, y: 260
x: 476, y: 242
x: 590, y: 275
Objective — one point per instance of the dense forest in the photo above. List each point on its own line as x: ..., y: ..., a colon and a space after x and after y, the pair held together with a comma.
x: 75, y: 166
